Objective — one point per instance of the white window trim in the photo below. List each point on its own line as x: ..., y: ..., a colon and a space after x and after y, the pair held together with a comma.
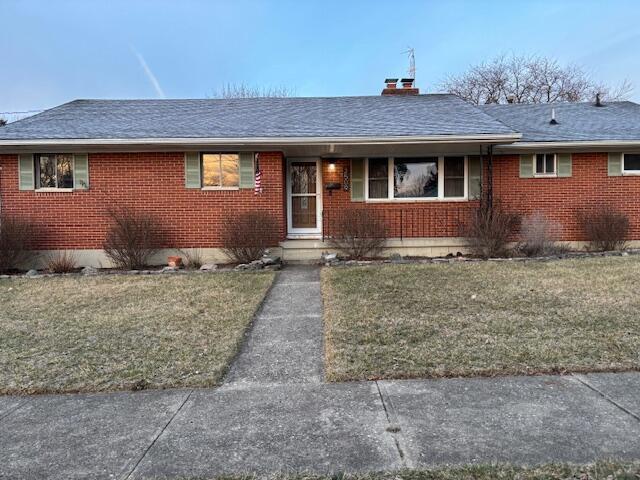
x: 439, y: 198
x: 36, y: 177
x: 629, y: 173
x: 545, y: 175
x: 214, y: 187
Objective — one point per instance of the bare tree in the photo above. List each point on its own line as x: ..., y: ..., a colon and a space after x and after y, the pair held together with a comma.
x: 522, y: 79
x: 242, y: 90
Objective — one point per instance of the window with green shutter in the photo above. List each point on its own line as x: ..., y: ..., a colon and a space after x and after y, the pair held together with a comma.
x: 54, y: 171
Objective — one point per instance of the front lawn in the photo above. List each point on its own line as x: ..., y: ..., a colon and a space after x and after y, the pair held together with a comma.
x: 68, y: 334
x: 482, y: 318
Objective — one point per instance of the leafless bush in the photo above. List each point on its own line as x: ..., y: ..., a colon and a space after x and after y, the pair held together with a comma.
x: 358, y: 233
x: 489, y: 231
x: 15, y: 235
x: 62, y: 262
x: 605, y: 228
x: 538, y: 236
x: 193, y: 258
x: 247, y: 236
x: 132, y: 238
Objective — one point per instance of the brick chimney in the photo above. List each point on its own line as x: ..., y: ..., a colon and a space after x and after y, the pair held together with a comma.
x: 407, y: 87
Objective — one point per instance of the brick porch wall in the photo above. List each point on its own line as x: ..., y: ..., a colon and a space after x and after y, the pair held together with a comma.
x: 559, y: 199
x: 403, y: 219
x: 149, y: 182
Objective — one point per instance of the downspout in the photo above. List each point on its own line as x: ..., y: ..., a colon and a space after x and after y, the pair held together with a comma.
x: 490, y: 178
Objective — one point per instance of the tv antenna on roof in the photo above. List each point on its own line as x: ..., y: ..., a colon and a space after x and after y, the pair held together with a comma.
x: 411, y: 53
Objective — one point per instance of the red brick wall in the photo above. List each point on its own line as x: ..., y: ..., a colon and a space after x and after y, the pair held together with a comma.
x: 154, y: 183
x: 560, y: 199
x: 149, y: 182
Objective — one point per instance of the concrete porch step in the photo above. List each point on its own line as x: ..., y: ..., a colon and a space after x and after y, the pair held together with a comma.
x: 309, y: 250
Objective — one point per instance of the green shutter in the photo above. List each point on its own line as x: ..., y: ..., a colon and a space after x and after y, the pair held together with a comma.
x: 475, y: 178
x: 615, y: 164
x: 192, y: 178
x: 25, y: 172
x: 81, y: 171
x: 247, y: 170
x: 564, y: 165
x: 526, y: 166
x: 357, y: 180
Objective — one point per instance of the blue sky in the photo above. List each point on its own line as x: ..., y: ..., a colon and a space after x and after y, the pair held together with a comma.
x: 55, y: 51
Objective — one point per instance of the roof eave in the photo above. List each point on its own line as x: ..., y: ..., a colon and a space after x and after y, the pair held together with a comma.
x: 249, y: 141
x: 582, y: 145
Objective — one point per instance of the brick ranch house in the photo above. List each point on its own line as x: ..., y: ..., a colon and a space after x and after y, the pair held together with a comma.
x: 420, y: 161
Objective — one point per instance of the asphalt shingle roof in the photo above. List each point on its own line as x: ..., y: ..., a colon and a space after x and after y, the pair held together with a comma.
x: 372, y: 116
x: 576, y: 121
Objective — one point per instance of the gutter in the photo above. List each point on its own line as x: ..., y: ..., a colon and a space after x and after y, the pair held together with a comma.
x: 267, y: 141
x: 587, y: 144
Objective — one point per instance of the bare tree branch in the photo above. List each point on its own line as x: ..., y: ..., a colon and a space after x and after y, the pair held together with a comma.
x: 523, y: 79
x: 242, y: 90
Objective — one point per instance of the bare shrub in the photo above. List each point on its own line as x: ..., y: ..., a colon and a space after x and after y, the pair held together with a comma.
x: 193, y: 258
x: 605, y: 228
x: 132, y: 238
x: 538, y: 234
x: 15, y: 235
x: 358, y: 233
x: 62, y: 262
x: 247, y: 236
x: 489, y: 231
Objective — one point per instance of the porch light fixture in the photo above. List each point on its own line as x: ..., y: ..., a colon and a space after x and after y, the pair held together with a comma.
x: 332, y: 164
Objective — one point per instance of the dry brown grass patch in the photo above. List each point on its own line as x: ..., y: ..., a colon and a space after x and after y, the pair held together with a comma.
x: 485, y: 318
x: 68, y: 334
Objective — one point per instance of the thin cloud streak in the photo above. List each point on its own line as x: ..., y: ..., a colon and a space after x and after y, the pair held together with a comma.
x: 152, y: 78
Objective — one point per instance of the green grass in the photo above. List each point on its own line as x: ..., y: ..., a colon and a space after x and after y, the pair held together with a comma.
x: 484, y: 318
x: 71, y: 334
x: 605, y: 470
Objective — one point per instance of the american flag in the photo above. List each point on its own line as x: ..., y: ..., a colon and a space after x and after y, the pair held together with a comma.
x: 258, y: 187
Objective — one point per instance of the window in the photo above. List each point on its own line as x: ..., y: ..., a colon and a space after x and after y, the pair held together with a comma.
x: 631, y: 162
x: 415, y: 177
x: 220, y: 170
x: 54, y: 170
x: 545, y: 163
x: 378, y: 178
x: 406, y: 178
x: 454, y: 177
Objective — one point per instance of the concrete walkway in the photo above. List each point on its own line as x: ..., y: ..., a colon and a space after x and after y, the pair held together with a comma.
x: 285, y: 342
x: 274, y: 414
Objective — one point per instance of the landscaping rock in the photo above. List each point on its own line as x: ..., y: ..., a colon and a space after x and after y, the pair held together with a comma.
x: 395, y: 257
x: 208, y: 267
x: 133, y: 272
x: 88, y: 270
x: 32, y: 273
x: 271, y: 260
x: 169, y: 270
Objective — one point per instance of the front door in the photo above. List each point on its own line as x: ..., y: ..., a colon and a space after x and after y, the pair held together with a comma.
x: 304, y: 197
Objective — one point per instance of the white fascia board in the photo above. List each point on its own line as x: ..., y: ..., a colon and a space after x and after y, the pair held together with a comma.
x: 483, y: 138
x: 579, y: 145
